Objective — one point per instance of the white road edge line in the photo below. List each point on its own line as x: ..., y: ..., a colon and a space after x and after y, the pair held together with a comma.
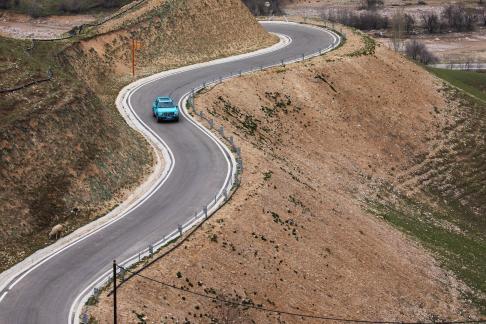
x: 3, y: 296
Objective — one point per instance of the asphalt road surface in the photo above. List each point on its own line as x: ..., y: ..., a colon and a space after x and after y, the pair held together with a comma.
x: 46, y: 294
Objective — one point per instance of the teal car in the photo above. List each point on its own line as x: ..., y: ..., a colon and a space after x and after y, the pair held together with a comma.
x: 164, y: 109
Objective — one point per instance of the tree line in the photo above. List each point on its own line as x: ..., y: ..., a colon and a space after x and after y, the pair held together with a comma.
x: 453, y: 17
x: 37, y: 8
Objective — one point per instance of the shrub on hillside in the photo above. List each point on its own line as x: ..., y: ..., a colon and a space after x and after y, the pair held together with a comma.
x: 366, y: 20
x: 409, y: 23
x: 419, y: 52
x: 431, y: 22
x: 482, y: 16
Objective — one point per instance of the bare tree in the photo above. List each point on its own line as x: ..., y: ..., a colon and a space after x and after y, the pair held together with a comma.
x: 468, y: 63
x: 431, y: 22
x: 362, y: 20
x: 398, y: 27
x: 413, y: 49
x: 409, y: 24
x: 371, y: 4
x: 459, y: 18
x: 426, y: 57
x: 419, y: 52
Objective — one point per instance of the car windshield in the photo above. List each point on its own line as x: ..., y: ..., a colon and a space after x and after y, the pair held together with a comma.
x: 166, y: 104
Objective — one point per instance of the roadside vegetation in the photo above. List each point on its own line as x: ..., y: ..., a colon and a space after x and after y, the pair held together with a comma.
x: 259, y: 7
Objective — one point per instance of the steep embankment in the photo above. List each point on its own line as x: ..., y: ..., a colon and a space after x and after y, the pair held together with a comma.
x: 172, y: 33
x: 319, y: 140
x: 67, y: 156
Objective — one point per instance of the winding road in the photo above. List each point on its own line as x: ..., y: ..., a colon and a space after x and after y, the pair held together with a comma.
x: 46, y: 291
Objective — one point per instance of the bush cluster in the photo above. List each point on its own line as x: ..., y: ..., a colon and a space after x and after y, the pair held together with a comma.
x: 371, y: 4
x: 419, y: 52
x: 453, y: 17
x: 364, y: 20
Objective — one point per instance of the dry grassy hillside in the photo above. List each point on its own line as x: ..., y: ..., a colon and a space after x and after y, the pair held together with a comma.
x: 319, y: 140
x: 172, y: 33
x: 67, y: 156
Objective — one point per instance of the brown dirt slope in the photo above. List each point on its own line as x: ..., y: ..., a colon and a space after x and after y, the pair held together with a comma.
x: 173, y: 33
x: 317, y: 138
x: 66, y: 155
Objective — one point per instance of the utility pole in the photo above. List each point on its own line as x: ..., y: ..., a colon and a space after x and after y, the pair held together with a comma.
x: 114, y: 293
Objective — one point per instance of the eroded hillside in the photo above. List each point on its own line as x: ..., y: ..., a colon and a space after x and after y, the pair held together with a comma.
x: 321, y: 143
x: 67, y: 156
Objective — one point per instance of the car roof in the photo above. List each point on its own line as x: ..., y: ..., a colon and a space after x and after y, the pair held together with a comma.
x: 164, y: 99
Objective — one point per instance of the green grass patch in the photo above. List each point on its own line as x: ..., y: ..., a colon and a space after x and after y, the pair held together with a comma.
x: 473, y: 83
x: 458, y: 251
x: 447, y: 215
